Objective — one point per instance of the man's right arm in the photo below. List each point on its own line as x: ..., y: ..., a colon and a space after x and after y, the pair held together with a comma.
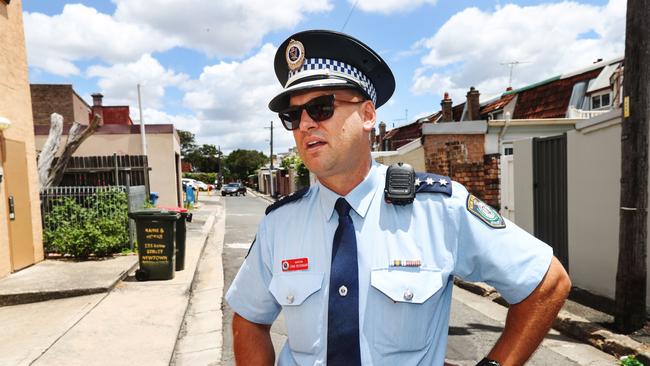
x: 252, y: 342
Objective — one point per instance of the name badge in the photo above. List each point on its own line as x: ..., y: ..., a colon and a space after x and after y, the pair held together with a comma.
x: 297, y: 264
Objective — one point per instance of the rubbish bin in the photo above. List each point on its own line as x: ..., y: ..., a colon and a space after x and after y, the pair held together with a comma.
x: 181, y: 233
x: 153, y: 197
x: 155, y: 229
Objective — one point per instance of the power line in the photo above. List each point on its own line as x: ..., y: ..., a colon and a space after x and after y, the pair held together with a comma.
x: 349, y: 14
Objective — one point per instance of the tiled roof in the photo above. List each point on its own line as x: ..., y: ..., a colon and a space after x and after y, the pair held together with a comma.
x: 550, y: 99
x: 496, y: 105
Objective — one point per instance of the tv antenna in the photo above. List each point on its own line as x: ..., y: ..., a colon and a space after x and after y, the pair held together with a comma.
x: 406, y: 117
x: 512, y: 65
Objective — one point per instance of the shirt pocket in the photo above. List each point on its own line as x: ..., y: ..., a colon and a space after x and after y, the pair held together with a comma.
x: 301, y: 299
x: 402, y: 306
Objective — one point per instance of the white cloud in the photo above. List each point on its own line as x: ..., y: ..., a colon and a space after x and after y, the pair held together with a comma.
x: 389, y: 6
x: 471, y: 47
x: 225, y: 28
x: 55, y: 43
x: 222, y: 28
x: 119, y: 82
x: 231, y: 98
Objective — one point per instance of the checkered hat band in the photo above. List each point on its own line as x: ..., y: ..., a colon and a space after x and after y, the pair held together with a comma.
x: 349, y: 71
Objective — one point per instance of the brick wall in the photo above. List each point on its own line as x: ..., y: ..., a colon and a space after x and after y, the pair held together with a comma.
x: 50, y: 98
x: 480, y: 179
x: 462, y: 157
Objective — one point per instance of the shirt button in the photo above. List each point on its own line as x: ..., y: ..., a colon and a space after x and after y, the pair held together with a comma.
x: 290, y: 299
x: 408, y: 294
x: 343, y: 291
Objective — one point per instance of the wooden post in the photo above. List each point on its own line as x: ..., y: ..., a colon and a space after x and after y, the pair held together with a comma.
x: 117, y: 170
x: 632, y: 249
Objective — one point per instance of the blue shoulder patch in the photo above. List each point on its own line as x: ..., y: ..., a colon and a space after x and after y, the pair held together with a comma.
x: 286, y: 199
x: 432, y: 183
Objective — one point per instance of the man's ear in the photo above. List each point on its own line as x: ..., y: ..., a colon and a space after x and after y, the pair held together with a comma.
x: 369, y: 114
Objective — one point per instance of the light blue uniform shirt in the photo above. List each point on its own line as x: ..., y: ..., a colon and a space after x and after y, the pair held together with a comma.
x: 403, y: 311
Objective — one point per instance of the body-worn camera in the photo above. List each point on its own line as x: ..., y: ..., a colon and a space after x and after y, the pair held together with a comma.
x: 400, y: 184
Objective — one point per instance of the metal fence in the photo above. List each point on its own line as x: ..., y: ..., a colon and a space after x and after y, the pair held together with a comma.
x: 104, y: 200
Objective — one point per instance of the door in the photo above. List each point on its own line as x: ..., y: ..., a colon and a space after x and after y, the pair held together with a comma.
x: 507, y: 187
x: 21, y: 235
x: 549, y: 193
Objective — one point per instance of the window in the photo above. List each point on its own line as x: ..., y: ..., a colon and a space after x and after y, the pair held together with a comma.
x: 600, y: 101
x: 497, y: 115
x: 508, y: 151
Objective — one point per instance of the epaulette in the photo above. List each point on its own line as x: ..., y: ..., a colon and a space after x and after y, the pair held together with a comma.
x: 287, y: 199
x: 432, y: 183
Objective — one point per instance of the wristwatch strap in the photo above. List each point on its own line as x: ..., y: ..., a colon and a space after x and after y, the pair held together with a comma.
x: 487, y: 362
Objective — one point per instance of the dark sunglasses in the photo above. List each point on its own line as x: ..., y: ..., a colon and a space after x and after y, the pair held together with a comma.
x: 319, y: 109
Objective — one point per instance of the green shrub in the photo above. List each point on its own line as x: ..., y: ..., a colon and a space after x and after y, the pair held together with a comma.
x: 207, y: 178
x: 98, y: 226
x: 630, y: 361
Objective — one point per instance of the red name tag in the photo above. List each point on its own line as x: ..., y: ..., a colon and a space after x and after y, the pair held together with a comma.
x: 295, y: 264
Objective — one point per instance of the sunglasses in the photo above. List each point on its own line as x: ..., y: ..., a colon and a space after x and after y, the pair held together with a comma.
x: 319, y: 109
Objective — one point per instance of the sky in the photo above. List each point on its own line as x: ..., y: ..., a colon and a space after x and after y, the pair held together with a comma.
x: 207, y: 66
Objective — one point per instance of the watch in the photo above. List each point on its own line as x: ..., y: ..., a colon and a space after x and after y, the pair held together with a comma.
x: 487, y: 362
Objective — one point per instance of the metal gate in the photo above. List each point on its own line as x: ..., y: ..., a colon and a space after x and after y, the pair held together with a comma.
x: 549, y: 191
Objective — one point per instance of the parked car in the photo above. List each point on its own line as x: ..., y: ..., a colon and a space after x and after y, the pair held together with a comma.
x: 195, y: 183
x: 233, y: 189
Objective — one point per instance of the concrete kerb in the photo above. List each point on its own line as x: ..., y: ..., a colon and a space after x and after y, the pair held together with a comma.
x: 575, y: 326
x: 206, y: 230
x: 34, y: 284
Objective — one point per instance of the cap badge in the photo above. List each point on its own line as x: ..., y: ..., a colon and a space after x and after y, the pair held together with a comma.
x: 295, y: 54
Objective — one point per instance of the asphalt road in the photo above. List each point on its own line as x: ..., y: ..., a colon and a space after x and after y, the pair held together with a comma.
x: 475, y: 323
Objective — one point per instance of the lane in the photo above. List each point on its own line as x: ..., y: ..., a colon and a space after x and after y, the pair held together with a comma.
x: 243, y: 214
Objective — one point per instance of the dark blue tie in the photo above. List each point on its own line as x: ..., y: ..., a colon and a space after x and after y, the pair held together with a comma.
x: 343, y: 310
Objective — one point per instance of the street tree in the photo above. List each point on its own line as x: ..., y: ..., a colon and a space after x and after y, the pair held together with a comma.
x: 240, y: 163
x: 204, y: 158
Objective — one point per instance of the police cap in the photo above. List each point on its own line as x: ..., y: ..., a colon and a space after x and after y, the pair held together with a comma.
x: 322, y: 59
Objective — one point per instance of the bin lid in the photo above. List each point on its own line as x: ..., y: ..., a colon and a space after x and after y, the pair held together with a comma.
x: 154, y: 213
x: 173, y: 209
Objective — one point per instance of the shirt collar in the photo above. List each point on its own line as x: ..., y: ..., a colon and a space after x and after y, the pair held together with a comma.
x: 359, y: 198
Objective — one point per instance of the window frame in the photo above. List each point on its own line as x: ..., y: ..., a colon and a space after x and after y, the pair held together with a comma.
x: 599, y: 97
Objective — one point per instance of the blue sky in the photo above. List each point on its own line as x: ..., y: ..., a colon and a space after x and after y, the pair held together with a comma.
x: 206, y: 66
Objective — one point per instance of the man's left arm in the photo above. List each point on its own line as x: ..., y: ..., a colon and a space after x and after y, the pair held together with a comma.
x: 530, y: 320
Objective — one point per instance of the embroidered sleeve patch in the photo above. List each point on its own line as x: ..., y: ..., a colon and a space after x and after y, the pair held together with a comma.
x: 484, y: 212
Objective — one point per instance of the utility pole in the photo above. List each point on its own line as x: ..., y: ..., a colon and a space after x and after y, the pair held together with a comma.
x: 271, y: 169
x: 631, y: 274
x: 143, y: 140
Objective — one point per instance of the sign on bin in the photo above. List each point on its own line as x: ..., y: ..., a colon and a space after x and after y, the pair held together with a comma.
x: 157, y: 249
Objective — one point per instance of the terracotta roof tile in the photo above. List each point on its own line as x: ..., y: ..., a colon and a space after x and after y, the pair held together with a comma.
x: 549, y: 100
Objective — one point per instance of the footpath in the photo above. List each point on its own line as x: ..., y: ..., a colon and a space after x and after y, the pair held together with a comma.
x: 95, y: 312
x: 575, y: 320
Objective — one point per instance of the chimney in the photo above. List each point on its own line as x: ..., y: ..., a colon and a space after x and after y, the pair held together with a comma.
x: 382, y: 133
x: 472, y: 105
x: 447, y: 116
x: 97, y: 99
x: 97, y: 108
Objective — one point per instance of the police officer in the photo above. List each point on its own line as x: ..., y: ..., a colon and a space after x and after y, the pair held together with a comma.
x: 362, y: 281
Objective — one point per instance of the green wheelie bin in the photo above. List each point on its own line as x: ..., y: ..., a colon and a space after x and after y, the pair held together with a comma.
x: 181, y: 233
x: 156, y: 233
